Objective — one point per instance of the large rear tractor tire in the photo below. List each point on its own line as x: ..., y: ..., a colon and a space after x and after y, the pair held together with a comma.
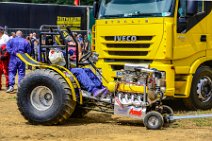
x: 45, y: 98
x: 201, y: 90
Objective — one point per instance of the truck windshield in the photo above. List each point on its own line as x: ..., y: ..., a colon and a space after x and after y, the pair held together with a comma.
x: 136, y: 8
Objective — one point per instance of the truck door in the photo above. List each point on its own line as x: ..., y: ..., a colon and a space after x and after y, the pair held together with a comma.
x: 190, y: 38
x: 209, y: 30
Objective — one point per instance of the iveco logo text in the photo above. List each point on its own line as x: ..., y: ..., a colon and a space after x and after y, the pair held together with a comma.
x: 125, y: 38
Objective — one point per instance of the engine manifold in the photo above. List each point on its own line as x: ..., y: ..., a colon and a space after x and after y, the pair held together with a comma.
x: 133, y: 99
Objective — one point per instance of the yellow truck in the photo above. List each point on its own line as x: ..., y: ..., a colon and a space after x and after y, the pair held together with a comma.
x: 173, y: 36
x: 148, y: 50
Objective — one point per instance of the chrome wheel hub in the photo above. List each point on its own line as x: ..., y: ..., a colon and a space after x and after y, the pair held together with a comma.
x: 204, y: 89
x: 153, y: 121
x: 41, y: 98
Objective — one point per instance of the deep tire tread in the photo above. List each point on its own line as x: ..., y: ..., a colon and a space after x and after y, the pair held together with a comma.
x: 67, y: 107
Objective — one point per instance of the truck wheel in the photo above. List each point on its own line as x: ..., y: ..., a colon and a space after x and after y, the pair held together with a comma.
x: 45, y: 98
x: 153, y: 120
x: 201, y: 90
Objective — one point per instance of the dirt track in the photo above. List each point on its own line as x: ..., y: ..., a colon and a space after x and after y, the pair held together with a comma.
x: 95, y: 126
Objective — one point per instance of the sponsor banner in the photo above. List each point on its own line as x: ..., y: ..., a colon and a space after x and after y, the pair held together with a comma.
x: 74, y: 22
x: 22, y: 15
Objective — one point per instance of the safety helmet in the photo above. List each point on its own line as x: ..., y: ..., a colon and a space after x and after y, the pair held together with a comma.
x: 56, y: 57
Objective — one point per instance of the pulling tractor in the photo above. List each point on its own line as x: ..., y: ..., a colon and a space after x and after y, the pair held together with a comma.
x: 51, y: 94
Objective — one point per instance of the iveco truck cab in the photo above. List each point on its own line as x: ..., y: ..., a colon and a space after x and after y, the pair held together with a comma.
x: 172, y: 36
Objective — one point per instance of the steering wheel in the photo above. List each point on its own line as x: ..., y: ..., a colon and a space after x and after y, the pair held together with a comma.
x: 85, y: 57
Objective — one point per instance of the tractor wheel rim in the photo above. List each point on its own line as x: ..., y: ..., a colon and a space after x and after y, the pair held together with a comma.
x: 41, y: 98
x: 153, y: 121
x: 204, y: 89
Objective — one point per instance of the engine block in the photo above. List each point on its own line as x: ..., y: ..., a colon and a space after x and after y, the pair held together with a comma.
x: 150, y: 81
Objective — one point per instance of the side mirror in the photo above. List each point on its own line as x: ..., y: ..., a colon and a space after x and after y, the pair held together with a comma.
x: 192, y: 8
x: 96, y: 9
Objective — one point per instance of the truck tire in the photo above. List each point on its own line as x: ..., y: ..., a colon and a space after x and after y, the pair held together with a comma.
x: 201, y: 90
x: 45, y: 98
x: 153, y: 120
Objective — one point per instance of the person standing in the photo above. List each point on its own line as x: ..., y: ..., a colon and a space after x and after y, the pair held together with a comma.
x: 14, y: 46
x: 34, y: 36
x: 12, y: 35
x: 4, y: 57
x: 4, y: 38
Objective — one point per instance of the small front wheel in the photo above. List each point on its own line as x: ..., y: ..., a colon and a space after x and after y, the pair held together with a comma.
x: 153, y: 120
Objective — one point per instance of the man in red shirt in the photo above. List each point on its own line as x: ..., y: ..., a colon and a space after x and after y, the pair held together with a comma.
x: 4, y: 56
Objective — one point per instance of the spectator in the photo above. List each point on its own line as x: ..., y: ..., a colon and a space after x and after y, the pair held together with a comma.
x: 4, y: 56
x: 39, y: 56
x: 36, y: 49
x: 31, y: 42
x: 14, y: 46
x: 4, y: 38
x: 12, y: 35
x: 30, y: 35
x: 72, y: 48
x: 28, y: 39
x: 34, y: 35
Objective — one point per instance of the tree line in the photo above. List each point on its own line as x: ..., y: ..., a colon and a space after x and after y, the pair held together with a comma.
x: 67, y: 2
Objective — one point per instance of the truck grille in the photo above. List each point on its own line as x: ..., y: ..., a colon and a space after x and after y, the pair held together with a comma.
x: 128, y: 53
x: 128, y: 45
x: 111, y: 38
x: 126, y: 49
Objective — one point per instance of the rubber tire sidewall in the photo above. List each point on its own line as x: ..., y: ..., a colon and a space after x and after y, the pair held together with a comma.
x: 201, y: 72
x: 31, y: 113
x: 158, y: 116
